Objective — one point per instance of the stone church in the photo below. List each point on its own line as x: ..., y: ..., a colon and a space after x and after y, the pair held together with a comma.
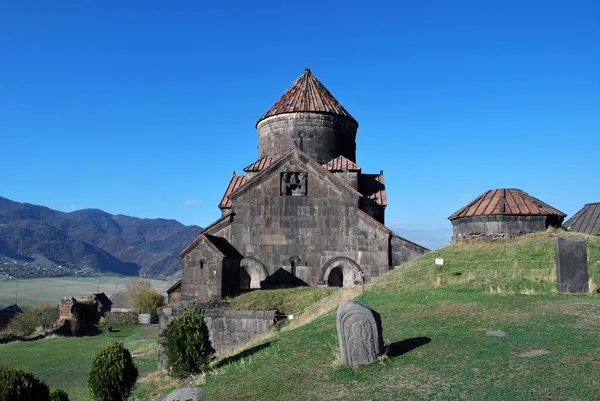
x: 304, y: 213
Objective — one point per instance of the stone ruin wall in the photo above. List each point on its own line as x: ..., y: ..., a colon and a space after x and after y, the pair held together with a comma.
x: 228, y: 328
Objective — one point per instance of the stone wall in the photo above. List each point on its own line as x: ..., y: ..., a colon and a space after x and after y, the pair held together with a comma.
x: 497, y: 225
x: 403, y: 250
x: 228, y: 328
x: 322, y: 136
x: 121, y: 317
x: 202, y: 273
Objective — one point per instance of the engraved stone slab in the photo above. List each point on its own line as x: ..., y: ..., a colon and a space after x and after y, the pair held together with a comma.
x: 571, y: 265
x: 359, y: 333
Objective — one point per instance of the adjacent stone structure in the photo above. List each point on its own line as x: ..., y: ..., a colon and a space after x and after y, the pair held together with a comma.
x: 359, y: 333
x: 303, y: 213
x: 571, y: 265
x: 227, y: 328
x: 501, y: 213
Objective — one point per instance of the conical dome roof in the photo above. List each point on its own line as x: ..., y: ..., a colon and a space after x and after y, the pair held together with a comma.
x: 506, y: 201
x: 306, y: 94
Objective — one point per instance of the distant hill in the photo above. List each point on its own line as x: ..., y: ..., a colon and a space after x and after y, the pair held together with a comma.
x: 40, y: 240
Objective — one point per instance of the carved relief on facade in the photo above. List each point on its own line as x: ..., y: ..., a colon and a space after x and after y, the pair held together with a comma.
x: 294, y: 184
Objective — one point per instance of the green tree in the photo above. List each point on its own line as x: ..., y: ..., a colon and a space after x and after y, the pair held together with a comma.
x: 144, y: 299
x: 112, y: 374
x: 187, y: 344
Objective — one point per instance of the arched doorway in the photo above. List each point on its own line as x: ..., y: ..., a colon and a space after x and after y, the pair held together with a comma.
x: 336, y: 277
x: 340, y: 271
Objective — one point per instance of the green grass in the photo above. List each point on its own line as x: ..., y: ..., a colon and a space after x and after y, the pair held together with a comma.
x: 437, y: 349
x: 435, y: 335
x: 53, y: 289
x: 63, y: 362
x: 286, y: 301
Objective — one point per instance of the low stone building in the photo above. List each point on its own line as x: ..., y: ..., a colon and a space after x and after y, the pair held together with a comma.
x: 500, y: 213
x: 585, y: 221
x: 304, y: 213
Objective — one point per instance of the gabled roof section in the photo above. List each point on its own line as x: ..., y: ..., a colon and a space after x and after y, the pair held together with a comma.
x: 372, y: 188
x: 224, y: 247
x: 281, y: 160
x: 366, y: 216
x: 174, y: 287
x: 508, y: 201
x: 341, y: 163
x: 259, y: 165
x: 306, y: 94
x: 234, y: 184
x: 207, y: 228
x: 585, y: 221
x: 103, y: 299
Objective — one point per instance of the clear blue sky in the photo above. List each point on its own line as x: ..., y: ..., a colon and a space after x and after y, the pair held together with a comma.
x: 144, y: 108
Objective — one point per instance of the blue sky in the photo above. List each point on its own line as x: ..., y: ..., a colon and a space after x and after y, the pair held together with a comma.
x: 145, y: 108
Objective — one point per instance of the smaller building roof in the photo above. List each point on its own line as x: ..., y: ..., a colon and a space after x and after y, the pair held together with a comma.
x: 341, y: 163
x: 234, y: 184
x: 174, y: 287
x: 506, y: 201
x: 223, y: 246
x: 372, y: 187
x: 585, y: 221
x: 9, y: 312
x: 103, y: 299
x: 259, y: 165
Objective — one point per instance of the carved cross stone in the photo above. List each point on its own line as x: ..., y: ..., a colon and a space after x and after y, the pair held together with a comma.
x: 359, y: 333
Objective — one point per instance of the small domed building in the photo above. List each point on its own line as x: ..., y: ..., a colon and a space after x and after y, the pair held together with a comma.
x: 500, y: 213
x: 585, y: 221
x: 304, y: 213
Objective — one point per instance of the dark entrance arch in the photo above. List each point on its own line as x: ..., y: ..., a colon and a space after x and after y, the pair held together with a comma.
x: 336, y: 277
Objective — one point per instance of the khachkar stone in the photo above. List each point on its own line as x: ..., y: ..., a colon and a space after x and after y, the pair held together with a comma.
x: 571, y: 265
x: 359, y: 333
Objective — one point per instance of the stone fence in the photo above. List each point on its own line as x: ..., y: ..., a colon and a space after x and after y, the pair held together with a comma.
x: 121, y: 317
x: 228, y: 328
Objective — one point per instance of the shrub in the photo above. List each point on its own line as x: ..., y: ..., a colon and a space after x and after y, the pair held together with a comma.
x: 58, y: 395
x: 112, y: 374
x: 41, y: 316
x: 186, y: 344
x: 16, y: 385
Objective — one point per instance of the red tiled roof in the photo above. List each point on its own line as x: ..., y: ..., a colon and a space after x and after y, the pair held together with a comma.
x: 341, y: 163
x: 260, y: 164
x: 506, y: 201
x: 372, y: 187
x: 236, y: 182
x: 306, y: 94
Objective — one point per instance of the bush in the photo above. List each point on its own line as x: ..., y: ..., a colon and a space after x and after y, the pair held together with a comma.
x: 112, y: 374
x: 58, y: 395
x: 186, y: 344
x: 16, y: 385
x: 41, y: 316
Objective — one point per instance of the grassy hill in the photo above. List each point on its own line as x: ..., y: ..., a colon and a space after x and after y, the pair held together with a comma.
x: 437, y: 349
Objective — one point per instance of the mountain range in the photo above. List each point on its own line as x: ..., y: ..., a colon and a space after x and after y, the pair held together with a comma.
x: 90, y: 240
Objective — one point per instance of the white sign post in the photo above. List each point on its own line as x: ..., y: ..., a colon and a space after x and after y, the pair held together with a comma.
x: 439, y: 262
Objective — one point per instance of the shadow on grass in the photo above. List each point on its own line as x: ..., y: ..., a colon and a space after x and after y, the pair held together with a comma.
x: 402, y: 347
x: 243, y: 354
